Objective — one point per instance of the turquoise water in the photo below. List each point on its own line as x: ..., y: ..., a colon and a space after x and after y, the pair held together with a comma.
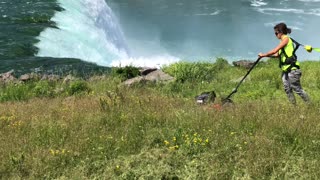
x: 46, y: 34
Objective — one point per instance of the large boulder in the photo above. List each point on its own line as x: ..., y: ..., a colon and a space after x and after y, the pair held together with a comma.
x: 132, y: 81
x: 243, y: 63
x: 28, y: 77
x: 157, y: 76
x: 152, y: 76
x: 146, y: 71
x: 25, y: 77
x: 7, y: 77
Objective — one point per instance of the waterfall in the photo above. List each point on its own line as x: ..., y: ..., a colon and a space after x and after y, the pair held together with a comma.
x: 87, y: 30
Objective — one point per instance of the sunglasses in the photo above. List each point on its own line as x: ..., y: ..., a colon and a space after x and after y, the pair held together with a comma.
x: 276, y: 33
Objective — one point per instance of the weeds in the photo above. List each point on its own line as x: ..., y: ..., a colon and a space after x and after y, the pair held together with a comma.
x: 42, y: 89
x: 99, y: 130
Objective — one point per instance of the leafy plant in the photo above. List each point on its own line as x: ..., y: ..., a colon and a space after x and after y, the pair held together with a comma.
x: 15, y: 92
x: 126, y: 72
x: 43, y: 89
x: 196, y: 71
x: 77, y: 87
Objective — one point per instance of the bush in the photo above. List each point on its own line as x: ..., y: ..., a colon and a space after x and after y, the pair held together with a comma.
x: 126, y: 72
x: 196, y: 71
x: 15, y: 92
x: 221, y: 63
x: 77, y: 87
x: 43, y: 89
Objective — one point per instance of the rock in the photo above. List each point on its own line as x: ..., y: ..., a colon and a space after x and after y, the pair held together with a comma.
x: 243, y: 63
x: 51, y: 77
x: 7, y: 77
x: 154, y: 76
x: 158, y: 75
x: 146, y: 71
x: 132, y: 81
x: 25, y: 77
x: 31, y: 76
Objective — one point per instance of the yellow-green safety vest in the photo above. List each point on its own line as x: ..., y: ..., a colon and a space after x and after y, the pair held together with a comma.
x: 289, y: 48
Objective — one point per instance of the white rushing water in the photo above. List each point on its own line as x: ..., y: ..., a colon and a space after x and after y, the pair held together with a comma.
x: 88, y: 30
x: 160, y: 32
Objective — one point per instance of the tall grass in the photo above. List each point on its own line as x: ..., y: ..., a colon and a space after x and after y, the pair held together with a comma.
x: 156, y: 131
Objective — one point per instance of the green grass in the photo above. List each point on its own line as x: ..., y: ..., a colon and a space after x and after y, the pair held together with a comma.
x: 156, y: 131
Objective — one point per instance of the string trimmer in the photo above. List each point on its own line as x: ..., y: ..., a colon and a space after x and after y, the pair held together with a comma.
x: 227, y: 99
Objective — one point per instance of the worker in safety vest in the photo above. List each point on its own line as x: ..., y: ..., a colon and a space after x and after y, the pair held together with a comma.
x: 291, y: 72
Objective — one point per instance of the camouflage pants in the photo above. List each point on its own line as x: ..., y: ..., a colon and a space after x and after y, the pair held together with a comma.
x: 291, y: 82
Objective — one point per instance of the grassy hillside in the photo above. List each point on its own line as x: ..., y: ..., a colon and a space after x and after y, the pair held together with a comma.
x: 96, y: 129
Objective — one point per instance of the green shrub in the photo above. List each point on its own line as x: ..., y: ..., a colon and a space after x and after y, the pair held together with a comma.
x: 196, y: 71
x: 221, y: 63
x: 77, y: 87
x: 15, y: 92
x: 126, y: 72
x: 43, y: 89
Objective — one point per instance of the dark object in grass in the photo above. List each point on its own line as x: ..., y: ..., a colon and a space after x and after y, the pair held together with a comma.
x: 206, y: 97
x: 226, y: 101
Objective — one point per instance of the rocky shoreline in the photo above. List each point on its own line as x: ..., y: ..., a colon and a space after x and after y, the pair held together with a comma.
x: 9, y: 77
x: 146, y: 74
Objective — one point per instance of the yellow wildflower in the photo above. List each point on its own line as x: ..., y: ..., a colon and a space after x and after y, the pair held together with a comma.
x: 166, y: 142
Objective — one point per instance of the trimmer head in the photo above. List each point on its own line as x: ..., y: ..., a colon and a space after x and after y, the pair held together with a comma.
x: 226, y: 101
